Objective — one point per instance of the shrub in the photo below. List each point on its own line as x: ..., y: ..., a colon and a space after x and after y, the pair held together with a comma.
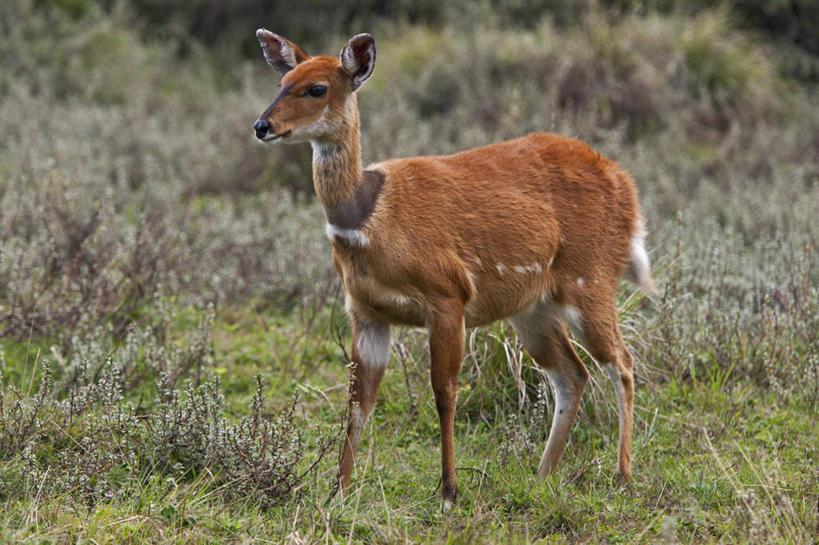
x: 84, y: 436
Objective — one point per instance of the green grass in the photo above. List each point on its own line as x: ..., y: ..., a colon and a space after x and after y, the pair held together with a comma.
x: 715, y: 460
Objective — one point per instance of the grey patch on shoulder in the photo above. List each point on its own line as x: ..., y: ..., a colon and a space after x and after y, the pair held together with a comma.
x: 353, y: 212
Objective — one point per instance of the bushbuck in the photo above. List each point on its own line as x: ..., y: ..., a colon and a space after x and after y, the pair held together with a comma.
x: 538, y: 230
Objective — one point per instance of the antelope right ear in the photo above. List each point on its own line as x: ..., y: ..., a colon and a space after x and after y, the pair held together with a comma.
x: 281, y: 53
x: 358, y: 58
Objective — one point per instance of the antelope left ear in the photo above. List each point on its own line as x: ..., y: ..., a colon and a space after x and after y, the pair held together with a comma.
x: 281, y: 53
x: 358, y: 58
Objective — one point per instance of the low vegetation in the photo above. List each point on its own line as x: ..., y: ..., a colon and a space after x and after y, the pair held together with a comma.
x: 172, y: 335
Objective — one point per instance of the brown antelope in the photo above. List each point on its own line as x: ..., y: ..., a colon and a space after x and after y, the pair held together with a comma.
x: 538, y: 230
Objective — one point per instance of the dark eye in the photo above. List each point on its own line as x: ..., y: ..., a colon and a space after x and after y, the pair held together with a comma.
x: 317, y: 90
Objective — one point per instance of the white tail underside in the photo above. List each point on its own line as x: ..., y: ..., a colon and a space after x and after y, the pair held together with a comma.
x: 639, y: 266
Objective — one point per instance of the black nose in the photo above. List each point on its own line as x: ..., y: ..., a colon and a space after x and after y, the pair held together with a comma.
x: 261, y: 127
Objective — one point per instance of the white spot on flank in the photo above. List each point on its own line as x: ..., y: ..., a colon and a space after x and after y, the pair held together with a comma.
x: 500, y: 268
x: 581, y: 282
x: 373, y: 343
x: 478, y: 261
x: 354, y: 237
x: 397, y: 299
x: 551, y: 260
x: 535, y: 268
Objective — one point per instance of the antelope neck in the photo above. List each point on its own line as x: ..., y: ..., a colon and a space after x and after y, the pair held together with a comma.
x: 346, y: 192
x: 336, y: 170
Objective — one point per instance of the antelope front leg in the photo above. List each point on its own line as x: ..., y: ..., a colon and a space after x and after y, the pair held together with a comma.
x: 446, y: 345
x: 369, y: 354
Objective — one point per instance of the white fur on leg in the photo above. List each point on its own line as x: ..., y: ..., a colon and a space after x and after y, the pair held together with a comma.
x: 619, y: 391
x: 373, y: 343
x: 563, y: 394
x: 357, y: 420
x: 563, y: 402
x: 573, y: 317
x: 532, y: 322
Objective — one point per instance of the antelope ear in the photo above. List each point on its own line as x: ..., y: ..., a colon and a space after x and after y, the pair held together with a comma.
x: 358, y: 58
x: 281, y: 53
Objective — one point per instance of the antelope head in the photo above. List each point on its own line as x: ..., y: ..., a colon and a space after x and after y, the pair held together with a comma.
x: 316, y: 96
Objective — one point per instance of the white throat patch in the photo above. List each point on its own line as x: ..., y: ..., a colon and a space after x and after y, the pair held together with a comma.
x: 353, y: 237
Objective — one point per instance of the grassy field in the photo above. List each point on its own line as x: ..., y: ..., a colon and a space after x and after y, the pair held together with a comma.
x: 173, y: 344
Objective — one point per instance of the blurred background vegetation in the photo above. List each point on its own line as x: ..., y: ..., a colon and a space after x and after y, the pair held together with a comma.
x: 124, y: 120
x: 147, y: 239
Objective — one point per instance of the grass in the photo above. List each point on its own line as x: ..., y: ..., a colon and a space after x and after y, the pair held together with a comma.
x: 172, y: 336
x: 714, y: 461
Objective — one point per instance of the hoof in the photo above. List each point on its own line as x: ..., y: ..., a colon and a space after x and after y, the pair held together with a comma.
x: 448, y: 495
x: 622, y: 480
